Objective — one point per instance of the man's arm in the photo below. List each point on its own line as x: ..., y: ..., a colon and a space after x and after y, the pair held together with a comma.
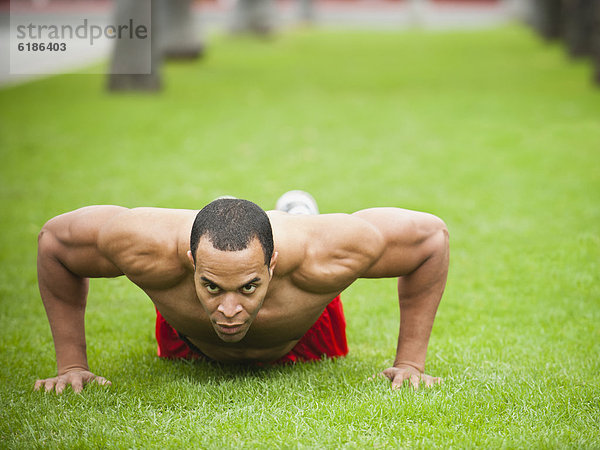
x: 68, y: 255
x: 417, y: 252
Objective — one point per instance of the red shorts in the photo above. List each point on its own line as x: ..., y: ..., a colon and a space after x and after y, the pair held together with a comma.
x: 327, y: 337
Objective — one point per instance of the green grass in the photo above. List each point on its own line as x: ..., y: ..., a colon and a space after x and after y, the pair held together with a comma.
x: 494, y: 131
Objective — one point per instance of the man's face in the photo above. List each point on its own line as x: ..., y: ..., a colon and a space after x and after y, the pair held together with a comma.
x: 232, y: 286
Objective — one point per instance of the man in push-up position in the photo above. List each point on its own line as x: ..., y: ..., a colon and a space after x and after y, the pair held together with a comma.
x: 233, y: 283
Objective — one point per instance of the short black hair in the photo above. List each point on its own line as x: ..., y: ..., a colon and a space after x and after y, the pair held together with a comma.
x: 231, y: 224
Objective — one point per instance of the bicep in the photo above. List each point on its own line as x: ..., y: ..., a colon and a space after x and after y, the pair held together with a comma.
x: 409, y: 239
x: 73, y: 240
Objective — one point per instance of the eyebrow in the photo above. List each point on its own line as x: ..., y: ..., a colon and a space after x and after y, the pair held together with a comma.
x: 253, y: 280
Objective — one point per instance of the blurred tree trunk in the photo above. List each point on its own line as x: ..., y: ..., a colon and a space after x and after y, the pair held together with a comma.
x: 518, y: 9
x: 254, y: 16
x: 418, y: 11
x: 135, y: 63
x: 306, y: 9
x: 547, y: 18
x: 578, y: 26
x: 181, y: 40
x: 596, y: 42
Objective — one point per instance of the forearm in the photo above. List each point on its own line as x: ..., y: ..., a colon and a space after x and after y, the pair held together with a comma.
x: 64, y: 296
x: 419, y: 295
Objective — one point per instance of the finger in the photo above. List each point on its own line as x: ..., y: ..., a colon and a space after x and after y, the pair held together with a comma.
x: 429, y: 381
x: 376, y: 376
x: 49, y: 384
x: 414, y: 381
x: 77, y: 385
x: 102, y: 381
x: 386, y: 374
x: 389, y: 373
x: 60, y: 386
x: 398, y: 382
x: 396, y: 385
x: 38, y: 384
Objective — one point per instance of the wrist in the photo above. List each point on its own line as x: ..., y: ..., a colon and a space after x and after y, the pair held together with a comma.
x: 73, y: 368
x: 403, y: 363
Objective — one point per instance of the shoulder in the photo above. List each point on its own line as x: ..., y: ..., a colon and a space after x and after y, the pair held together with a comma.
x: 146, y: 226
x: 83, y: 225
x: 344, y: 236
x: 330, y: 251
x: 146, y: 244
x: 73, y: 237
x: 409, y: 239
x: 397, y: 224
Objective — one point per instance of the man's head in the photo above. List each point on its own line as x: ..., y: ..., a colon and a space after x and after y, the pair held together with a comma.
x: 232, y: 253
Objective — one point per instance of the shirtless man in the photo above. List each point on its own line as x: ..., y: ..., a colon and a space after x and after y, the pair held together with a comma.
x: 243, y: 285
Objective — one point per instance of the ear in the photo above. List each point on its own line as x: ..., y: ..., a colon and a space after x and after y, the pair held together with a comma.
x: 273, y: 263
x: 189, y: 255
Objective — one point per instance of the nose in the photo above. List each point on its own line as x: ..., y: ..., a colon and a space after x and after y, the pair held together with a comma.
x: 229, y: 307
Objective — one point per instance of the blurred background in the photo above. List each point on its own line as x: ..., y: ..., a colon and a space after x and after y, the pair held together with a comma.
x: 485, y: 113
x: 182, y: 28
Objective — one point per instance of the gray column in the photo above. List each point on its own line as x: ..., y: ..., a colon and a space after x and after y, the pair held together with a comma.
x: 306, y: 11
x: 418, y: 12
x: 578, y: 26
x: 520, y: 10
x: 254, y: 16
x: 596, y: 42
x: 181, y: 38
x: 547, y: 18
x: 132, y: 57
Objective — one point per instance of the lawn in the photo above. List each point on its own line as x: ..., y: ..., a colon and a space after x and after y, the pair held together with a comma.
x: 494, y: 131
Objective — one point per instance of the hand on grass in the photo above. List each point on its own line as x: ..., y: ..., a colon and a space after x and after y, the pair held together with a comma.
x: 398, y: 375
x: 76, y: 378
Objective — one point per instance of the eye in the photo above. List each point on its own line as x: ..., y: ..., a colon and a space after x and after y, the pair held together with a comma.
x: 212, y: 288
x: 249, y: 289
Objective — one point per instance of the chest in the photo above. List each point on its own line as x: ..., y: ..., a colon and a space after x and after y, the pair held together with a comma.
x: 287, y: 313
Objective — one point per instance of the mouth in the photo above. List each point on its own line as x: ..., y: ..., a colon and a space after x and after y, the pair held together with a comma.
x: 229, y: 329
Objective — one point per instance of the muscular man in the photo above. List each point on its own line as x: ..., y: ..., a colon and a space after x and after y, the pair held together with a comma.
x: 240, y: 284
